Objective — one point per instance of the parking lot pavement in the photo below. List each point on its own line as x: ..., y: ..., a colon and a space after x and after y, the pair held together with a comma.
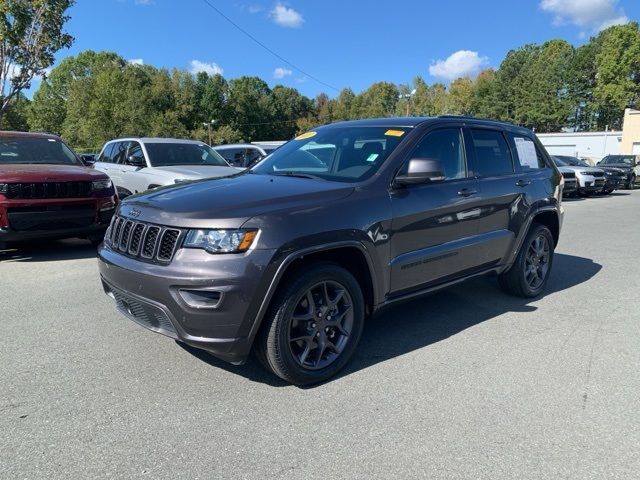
x: 466, y: 383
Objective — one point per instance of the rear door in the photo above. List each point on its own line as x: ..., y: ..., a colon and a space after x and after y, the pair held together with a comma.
x: 434, y: 225
x: 506, y: 191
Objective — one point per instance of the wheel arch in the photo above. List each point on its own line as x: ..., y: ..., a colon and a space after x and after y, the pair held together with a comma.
x: 351, y: 255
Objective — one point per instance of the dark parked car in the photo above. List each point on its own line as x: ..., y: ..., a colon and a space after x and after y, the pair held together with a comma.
x: 292, y: 256
x: 47, y: 192
x: 628, y: 163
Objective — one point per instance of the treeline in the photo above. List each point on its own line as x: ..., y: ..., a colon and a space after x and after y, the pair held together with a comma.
x: 93, y: 97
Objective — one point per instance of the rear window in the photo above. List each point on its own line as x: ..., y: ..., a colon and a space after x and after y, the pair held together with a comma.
x: 493, y: 156
x: 34, y: 150
x: 528, y: 154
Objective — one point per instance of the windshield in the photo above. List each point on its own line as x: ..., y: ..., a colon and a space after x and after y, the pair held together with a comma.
x: 50, y: 151
x: 559, y: 162
x: 618, y: 159
x: 163, y: 154
x: 572, y: 161
x: 344, y: 154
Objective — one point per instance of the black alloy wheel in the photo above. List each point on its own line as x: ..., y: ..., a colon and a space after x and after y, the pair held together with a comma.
x: 313, y: 324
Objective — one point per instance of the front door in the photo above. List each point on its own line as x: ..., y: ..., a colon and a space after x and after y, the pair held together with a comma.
x: 434, y: 225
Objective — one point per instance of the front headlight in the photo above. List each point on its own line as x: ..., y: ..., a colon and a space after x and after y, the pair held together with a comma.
x: 101, y: 184
x: 221, y: 241
x: 586, y: 173
x: 181, y: 180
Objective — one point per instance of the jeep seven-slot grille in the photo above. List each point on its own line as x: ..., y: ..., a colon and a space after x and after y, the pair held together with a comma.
x: 153, y: 243
x: 597, y: 174
x: 49, y: 190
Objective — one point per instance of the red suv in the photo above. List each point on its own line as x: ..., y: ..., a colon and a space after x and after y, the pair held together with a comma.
x: 46, y: 191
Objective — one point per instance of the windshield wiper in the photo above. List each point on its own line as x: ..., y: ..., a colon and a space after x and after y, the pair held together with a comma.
x: 290, y: 173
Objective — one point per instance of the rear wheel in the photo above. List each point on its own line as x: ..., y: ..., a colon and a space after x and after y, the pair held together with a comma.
x: 313, y: 325
x: 631, y: 183
x: 529, y: 274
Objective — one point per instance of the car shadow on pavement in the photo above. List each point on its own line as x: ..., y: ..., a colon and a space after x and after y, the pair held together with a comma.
x: 418, y: 323
x: 48, y: 251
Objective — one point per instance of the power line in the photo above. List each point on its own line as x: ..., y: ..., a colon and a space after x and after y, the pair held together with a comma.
x: 267, y: 48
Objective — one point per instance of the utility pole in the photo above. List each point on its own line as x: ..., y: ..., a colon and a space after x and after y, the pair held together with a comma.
x: 209, y: 125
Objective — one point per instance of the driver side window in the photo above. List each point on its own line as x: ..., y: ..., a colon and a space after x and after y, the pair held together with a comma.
x: 446, y: 146
x: 135, y: 150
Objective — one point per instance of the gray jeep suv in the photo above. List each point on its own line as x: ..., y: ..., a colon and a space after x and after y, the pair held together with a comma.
x: 290, y: 257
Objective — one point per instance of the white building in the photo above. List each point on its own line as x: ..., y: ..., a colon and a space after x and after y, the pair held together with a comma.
x: 595, y: 145
x: 589, y: 145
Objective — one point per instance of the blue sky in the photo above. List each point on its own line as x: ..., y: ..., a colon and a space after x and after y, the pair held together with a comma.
x: 346, y: 43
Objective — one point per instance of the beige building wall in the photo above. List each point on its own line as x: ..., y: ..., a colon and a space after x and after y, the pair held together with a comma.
x: 631, y: 132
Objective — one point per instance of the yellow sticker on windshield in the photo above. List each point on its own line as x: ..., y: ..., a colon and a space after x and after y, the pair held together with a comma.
x: 304, y: 136
x: 394, y: 133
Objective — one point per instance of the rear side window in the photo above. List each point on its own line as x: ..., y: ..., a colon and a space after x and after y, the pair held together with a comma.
x: 107, y: 154
x: 493, y: 156
x: 528, y: 154
x: 446, y: 146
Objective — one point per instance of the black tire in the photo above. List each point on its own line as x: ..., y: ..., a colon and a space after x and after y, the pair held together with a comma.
x: 515, y: 281
x: 276, y: 345
x: 631, y: 183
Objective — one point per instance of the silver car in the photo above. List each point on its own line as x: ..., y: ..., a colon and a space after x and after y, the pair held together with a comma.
x: 589, y: 179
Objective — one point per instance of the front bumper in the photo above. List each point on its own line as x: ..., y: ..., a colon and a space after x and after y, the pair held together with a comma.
x: 570, y: 186
x: 22, y: 220
x: 153, y: 296
x: 589, y: 184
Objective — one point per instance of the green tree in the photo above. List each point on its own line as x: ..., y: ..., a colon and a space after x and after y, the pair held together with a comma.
x: 251, y: 107
x: 617, y: 73
x: 379, y: 100
x: 31, y: 32
x: 460, y: 96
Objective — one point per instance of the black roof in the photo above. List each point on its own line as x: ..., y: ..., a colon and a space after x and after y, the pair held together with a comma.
x: 411, y: 122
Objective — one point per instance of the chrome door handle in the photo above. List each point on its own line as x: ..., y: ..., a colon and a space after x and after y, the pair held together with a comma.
x: 466, y: 192
x: 523, y: 183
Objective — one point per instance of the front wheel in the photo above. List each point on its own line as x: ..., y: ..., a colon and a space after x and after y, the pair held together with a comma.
x: 313, y: 325
x: 631, y: 183
x: 529, y: 274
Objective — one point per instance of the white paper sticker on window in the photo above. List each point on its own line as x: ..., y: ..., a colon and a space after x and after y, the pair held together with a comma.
x: 526, y: 152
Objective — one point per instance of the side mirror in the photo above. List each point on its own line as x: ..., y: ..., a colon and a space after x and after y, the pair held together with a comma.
x: 420, y: 170
x: 136, y: 161
x: 87, y: 159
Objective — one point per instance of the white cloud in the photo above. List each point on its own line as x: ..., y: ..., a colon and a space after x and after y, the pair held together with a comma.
x: 197, y: 66
x: 136, y: 61
x: 286, y: 16
x: 462, y: 63
x: 281, y: 72
x: 255, y: 9
x: 595, y: 15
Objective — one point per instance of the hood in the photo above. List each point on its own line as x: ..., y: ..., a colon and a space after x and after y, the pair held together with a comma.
x: 582, y: 169
x: 196, y: 172
x: 620, y: 167
x: 613, y: 169
x: 565, y: 170
x: 229, y: 202
x: 25, y: 173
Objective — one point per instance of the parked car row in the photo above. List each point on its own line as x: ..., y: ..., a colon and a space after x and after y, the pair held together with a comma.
x: 612, y: 173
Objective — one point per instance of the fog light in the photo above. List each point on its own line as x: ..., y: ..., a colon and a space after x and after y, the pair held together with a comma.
x: 201, y: 298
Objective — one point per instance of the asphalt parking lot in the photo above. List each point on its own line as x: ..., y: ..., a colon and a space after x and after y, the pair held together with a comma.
x: 466, y: 383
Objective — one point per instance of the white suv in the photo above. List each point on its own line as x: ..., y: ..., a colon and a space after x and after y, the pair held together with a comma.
x: 138, y: 164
